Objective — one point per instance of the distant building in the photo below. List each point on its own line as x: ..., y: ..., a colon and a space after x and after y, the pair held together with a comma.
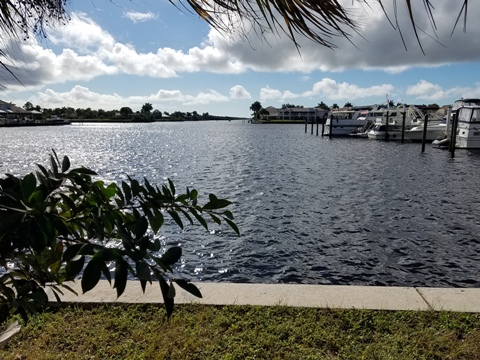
x: 304, y: 114
x: 12, y: 114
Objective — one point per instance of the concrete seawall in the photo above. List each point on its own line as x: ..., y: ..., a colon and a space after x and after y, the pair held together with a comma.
x: 322, y: 296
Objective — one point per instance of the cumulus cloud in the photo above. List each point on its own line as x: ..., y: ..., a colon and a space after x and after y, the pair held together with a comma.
x: 83, y: 97
x: 139, y: 16
x: 425, y: 90
x: 90, y: 51
x: 330, y: 89
x: 239, y: 92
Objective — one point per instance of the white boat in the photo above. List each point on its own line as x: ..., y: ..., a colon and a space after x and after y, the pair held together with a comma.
x: 394, y: 118
x: 345, y: 122
x: 413, y: 128
x: 468, y: 129
x: 380, y: 132
x: 464, y: 102
x: 435, y: 130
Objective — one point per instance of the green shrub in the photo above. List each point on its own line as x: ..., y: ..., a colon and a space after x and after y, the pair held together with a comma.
x: 58, y: 223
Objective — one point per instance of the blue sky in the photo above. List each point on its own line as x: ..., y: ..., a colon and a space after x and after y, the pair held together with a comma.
x: 132, y: 52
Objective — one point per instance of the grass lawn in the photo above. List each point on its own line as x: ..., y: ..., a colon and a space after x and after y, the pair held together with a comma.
x: 244, y: 332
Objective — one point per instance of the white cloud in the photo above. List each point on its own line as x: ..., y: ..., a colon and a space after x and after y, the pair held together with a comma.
x: 239, y: 92
x: 83, y: 97
x: 425, y: 90
x: 344, y: 91
x: 139, y: 17
x: 90, y: 51
x: 328, y: 88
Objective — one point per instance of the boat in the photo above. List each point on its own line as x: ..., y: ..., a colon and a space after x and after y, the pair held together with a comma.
x: 409, y: 120
x: 441, y: 143
x: 362, y: 132
x: 345, y: 122
x: 381, y: 132
x: 468, y: 128
x: 435, y: 130
x: 393, y: 117
x: 464, y: 102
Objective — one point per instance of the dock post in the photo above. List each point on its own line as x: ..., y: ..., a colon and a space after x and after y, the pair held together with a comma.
x: 311, y: 130
x: 317, y: 125
x: 305, y: 126
x: 424, y: 135
x: 454, y: 134
x: 386, y: 127
x: 403, y: 126
x: 323, y: 128
x: 331, y: 127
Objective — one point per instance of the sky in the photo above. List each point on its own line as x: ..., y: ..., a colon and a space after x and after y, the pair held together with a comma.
x: 128, y: 53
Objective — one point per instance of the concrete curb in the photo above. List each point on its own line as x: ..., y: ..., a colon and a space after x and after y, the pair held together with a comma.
x: 321, y: 296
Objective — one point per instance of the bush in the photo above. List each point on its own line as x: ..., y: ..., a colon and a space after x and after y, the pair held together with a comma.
x: 58, y: 223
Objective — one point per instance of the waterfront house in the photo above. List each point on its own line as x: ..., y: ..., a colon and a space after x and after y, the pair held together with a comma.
x: 10, y: 114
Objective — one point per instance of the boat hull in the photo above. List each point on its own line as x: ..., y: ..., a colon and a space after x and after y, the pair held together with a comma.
x: 433, y: 133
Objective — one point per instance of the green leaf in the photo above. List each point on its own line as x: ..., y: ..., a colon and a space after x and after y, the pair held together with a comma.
x: 164, y: 266
x: 74, y: 266
x: 83, y: 170
x: 167, y: 300
x: 107, y: 254
x: 216, y: 203
x: 171, y: 292
x: 156, y: 220
x: 91, y: 275
x: 65, y: 163
x: 193, y: 194
x: 106, y: 272
x: 36, y: 197
x: 216, y: 219
x: 141, y: 227
x: 232, y: 225
x: 121, y: 273
x: 43, y: 170
x: 71, y: 251
x: 109, y: 191
x: 143, y: 271
x: 54, y: 165
x: 29, y: 183
x: 154, y: 245
x: 172, y: 255
x: 176, y: 218
x: 188, y: 286
x: 148, y: 186
x: 136, y: 188
x: 172, y: 187
x: 127, y: 191
x: 69, y: 202
x: 228, y: 214
x: 200, y: 218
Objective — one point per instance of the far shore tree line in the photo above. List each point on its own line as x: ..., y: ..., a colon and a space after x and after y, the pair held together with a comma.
x: 147, y: 113
x: 258, y: 110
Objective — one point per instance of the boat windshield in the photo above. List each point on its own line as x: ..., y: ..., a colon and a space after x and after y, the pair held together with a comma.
x: 467, y: 114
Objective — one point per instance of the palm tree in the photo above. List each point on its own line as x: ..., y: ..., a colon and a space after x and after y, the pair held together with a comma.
x: 256, y: 107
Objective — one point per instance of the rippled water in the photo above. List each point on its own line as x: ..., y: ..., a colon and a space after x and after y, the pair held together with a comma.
x: 311, y: 210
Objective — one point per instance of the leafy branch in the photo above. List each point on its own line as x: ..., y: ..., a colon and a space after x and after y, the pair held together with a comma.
x: 58, y: 223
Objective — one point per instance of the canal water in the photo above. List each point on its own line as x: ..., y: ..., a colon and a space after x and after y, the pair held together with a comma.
x: 311, y: 210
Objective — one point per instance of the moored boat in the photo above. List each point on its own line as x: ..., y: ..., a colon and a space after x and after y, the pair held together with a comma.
x: 434, y: 131
x: 345, y: 122
x: 468, y: 129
